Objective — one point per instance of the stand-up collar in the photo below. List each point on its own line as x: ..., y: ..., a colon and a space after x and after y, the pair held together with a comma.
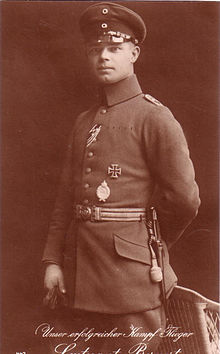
x: 122, y: 91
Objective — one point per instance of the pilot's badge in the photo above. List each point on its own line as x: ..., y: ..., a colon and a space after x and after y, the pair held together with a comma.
x: 93, y: 133
x: 103, y: 191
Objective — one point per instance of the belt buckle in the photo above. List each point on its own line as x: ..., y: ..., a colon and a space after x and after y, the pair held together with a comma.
x: 84, y: 212
x: 91, y: 213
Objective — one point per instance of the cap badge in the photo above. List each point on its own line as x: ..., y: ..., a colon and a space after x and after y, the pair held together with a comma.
x: 93, y: 133
x: 103, y: 191
x: 114, y: 170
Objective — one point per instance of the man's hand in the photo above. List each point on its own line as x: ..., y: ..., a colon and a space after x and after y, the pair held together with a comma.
x: 54, y: 278
x: 54, y: 283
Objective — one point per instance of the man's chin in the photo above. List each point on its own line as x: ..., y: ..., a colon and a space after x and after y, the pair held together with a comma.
x: 105, y: 80
x: 109, y: 79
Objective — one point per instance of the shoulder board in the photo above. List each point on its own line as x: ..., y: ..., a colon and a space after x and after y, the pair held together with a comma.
x: 152, y: 100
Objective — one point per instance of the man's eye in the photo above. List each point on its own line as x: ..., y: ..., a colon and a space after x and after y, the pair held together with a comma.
x: 115, y: 49
x: 93, y: 51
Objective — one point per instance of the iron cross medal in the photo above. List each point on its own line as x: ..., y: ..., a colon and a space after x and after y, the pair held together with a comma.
x: 114, y: 170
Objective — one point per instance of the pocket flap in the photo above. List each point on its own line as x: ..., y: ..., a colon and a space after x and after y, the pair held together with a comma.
x: 132, y: 250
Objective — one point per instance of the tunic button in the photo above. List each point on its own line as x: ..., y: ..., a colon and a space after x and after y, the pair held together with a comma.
x: 86, y: 186
x: 86, y: 201
x: 90, y: 154
x: 88, y: 170
x: 103, y: 111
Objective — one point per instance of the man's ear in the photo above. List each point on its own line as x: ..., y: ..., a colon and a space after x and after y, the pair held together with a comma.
x: 135, y: 53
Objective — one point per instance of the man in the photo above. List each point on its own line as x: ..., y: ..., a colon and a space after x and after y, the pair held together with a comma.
x: 124, y: 155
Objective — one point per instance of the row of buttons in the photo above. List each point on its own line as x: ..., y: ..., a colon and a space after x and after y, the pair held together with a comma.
x: 90, y: 153
x: 88, y: 170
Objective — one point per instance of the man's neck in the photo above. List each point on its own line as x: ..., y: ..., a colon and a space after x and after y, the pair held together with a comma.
x: 121, y: 91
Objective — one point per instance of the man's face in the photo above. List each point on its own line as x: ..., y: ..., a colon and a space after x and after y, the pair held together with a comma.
x: 111, y: 63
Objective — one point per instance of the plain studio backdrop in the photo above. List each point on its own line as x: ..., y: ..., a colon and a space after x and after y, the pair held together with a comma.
x: 46, y: 84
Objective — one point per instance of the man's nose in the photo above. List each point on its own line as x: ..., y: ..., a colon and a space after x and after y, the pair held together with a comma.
x: 104, y: 54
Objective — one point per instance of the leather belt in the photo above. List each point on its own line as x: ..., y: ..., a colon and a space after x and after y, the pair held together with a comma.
x: 94, y: 213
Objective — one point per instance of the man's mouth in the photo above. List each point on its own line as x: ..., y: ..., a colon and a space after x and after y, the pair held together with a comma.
x: 103, y: 68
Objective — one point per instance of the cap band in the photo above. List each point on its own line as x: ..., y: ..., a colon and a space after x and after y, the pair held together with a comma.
x: 113, y: 37
x: 120, y: 37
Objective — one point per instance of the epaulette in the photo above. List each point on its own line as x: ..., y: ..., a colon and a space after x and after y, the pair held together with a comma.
x: 152, y: 100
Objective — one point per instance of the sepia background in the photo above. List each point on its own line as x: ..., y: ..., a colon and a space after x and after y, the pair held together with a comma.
x: 45, y: 84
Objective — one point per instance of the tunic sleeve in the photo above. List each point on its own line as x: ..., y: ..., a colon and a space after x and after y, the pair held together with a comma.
x: 62, y: 213
x: 176, y: 195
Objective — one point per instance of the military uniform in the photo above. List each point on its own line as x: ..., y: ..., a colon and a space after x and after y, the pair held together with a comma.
x: 124, y: 155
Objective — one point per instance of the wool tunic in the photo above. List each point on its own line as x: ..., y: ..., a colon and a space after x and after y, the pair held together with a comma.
x: 133, y: 145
